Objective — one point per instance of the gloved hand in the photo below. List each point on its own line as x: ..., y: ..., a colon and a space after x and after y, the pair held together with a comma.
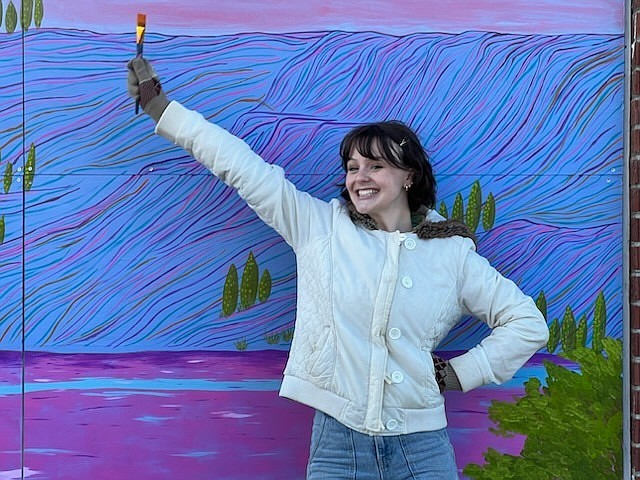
x: 445, y: 374
x: 143, y: 85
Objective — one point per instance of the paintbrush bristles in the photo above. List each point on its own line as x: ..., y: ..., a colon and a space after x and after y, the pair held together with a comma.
x: 142, y: 23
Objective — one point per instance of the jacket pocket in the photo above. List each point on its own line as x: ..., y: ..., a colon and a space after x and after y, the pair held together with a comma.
x: 322, y: 357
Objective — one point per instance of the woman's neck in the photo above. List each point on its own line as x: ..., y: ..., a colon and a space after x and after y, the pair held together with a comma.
x: 400, y: 223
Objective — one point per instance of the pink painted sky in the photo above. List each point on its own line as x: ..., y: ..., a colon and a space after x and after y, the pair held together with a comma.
x: 202, y: 17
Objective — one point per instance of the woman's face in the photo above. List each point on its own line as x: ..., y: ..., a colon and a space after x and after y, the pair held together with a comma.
x: 376, y: 188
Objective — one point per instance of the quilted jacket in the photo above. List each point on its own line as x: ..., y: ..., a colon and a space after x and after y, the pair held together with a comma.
x: 372, y: 305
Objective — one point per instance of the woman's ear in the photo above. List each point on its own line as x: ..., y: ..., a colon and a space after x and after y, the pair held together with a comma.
x: 411, y: 176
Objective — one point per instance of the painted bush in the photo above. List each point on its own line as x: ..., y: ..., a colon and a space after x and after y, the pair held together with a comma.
x: 580, y: 435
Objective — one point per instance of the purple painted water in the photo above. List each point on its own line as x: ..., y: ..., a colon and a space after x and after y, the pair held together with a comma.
x: 197, y: 415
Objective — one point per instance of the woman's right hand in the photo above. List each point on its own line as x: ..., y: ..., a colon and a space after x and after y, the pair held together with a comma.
x: 144, y: 86
x: 445, y: 374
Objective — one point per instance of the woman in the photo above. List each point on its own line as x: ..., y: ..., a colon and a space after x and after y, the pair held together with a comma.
x: 382, y: 278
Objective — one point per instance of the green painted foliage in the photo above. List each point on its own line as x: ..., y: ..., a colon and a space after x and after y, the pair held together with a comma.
x: 474, y: 207
x: 30, y: 168
x: 457, y: 212
x: 541, y: 303
x: 599, y: 322
x: 489, y: 212
x: 230, y: 292
x: 1, y: 12
x: 573, y: 426
x: 581, y: 331
x: 236, y: 298
x: 8, y: 177
x: 38, y: 13
x: 1, y: 229
x: 272, y: 338
x: 443, y: 210
x: 242, y: 344
x: 264, y: 287
x: 26, y: 14
x: 249, y: 283
x: 476, y: 210
x: 554, y: 336
x: 11, y: 18
x: 287, y: 335
x: 568, y: 331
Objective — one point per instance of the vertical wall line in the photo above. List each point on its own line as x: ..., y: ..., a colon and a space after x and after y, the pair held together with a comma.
x: 629, y: 37
x: 24, y: 229
x: 631, y: 232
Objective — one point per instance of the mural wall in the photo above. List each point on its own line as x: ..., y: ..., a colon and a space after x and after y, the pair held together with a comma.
x: 146, y: 313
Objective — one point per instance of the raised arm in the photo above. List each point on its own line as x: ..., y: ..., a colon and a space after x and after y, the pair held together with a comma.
x: 293, y: 214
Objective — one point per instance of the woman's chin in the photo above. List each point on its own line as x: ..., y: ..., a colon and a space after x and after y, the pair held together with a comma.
x: 362, y: 209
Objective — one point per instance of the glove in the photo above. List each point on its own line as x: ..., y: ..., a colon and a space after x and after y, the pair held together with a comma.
x: 144, y: 86
x: 445, y: 374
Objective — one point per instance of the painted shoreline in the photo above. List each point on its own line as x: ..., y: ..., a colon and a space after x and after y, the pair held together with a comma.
x: 156, y: 414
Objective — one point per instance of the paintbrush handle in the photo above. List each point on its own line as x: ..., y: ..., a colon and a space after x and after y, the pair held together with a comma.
x: 139, y: 54
x: 142, y: 22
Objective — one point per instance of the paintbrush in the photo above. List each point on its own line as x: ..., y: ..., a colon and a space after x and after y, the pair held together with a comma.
x: 140, y: 28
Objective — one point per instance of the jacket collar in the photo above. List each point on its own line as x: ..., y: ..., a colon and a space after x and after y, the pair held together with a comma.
x: 426, y: 224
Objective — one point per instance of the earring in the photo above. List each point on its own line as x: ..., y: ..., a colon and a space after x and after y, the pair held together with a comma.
x: 407, y: 187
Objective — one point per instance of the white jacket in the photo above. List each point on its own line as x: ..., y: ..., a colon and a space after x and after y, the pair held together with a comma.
x: 372, y: 305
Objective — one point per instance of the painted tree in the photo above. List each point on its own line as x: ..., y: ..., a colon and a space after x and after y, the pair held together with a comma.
x: 249, y: 283
x: 474, y: 206
x: 230, y: 292
x: 443, y: 210
x: 30, y: 168
x: 599, y: 323
x: 541, y: 303
x: 489, y: 212
x: 264, y: 287
x: 11, y: 18
x: 457, y: 212
x: 38, y: 13
x: 26, y: 14
x: 581, y: 331
x: 554, y: 336
x: 8, y: 177
x: 568, y: 331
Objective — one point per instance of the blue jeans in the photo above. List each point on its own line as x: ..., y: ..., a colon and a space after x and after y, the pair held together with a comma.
x: 339, y: 453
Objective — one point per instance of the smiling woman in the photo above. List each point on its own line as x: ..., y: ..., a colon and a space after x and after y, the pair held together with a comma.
x: 388, y: 174
x: 382, y: 279
x: 379, y: 189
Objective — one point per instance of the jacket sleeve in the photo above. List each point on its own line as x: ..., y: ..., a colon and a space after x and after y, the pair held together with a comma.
x: 518, y: 328
x: 263, y: 186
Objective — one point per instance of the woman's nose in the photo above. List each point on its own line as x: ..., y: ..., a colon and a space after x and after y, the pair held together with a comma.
x: 362, y: 175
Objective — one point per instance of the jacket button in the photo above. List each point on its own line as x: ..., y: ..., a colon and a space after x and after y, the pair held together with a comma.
x: 394, y: 333
x: 410, y: 244
x: 407, y: 282
x: 397, y: 377
x: 392, y: 424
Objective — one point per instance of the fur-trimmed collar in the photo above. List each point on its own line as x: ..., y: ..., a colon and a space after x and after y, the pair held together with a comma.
x: 422, y: 227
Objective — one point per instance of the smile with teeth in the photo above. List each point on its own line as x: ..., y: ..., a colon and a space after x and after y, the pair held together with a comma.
x: 367, y: 192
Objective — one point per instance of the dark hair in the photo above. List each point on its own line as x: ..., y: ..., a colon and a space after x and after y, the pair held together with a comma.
x: 395, y: 143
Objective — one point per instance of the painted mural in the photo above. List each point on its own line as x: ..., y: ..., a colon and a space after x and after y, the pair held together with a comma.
x: 146, y: 313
